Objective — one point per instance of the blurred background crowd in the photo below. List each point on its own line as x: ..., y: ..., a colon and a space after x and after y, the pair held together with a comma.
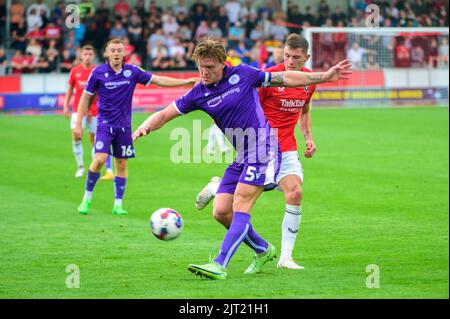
x: 158, y: 38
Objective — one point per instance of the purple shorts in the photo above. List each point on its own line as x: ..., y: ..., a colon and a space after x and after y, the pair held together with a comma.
x: 257, y: 174
x: 118, y: 137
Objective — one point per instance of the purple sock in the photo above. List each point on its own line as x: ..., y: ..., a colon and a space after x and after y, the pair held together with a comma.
x: 119, y: 186
x: 255, y: 242
x: 234, y: 237
x: 91, y: 180
x: 108, y: 163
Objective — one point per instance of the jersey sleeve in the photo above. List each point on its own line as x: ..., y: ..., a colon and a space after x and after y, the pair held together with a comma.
x: 313, y: 89
x: 92, y: 83
x: 143, y: 77
x: 257, y: 77
x: 186, y: 103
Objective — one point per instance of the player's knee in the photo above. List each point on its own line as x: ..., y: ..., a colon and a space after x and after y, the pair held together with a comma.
x: 223, y: 216
x: 99, y: 161
x: 294, y: 195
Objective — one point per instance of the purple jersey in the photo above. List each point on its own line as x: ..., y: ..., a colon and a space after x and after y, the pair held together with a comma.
x: 115, y: 92
x: 233, y: 103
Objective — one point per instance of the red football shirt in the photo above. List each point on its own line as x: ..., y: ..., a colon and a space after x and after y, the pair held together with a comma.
x: 78, y: 79
x: 282, y: 107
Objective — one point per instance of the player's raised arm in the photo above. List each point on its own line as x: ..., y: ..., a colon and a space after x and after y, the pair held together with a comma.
x: 168, y: 81
x: 297, y: 78
x: 156, y: 121
x: 83, y: 107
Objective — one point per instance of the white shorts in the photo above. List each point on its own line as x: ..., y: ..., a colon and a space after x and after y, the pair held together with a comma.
x: 91, y: 126
x: 290, y: 165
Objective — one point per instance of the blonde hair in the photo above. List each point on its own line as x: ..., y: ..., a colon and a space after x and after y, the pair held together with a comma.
x: 115, y: 41
x: 211, y: 48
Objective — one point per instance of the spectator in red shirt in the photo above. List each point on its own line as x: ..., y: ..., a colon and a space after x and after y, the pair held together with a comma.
x: 129, y: 49
x: 135, y: 59
x: 122, y: 9
x: 21, y: 63
x: 36, y: 34
x: 402, y: 54
x: 52, y: 32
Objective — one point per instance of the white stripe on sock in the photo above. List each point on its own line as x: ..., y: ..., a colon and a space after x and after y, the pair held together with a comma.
x: 254, y: 246
x: 234, y: 246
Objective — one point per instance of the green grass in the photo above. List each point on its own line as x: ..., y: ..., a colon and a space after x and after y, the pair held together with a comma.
x: 375, y: 193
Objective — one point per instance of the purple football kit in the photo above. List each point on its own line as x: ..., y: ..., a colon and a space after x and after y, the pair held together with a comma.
x: 115, y: 94
x: 233, y: 103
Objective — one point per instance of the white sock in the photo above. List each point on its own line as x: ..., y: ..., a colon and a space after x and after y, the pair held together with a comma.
x: 87, y: 195
x: 289, y: 229
x: 118, y: 202
x: 77, y: 147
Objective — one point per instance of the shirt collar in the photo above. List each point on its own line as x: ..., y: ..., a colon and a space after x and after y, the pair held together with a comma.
x: 108, y: 66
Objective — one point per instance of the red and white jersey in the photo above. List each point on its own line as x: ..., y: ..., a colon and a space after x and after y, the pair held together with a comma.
x: 78, y: 78
x: 282, y: 107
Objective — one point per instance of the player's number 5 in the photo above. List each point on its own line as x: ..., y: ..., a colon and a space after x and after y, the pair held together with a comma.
x: 250, y: 175
x: 127, y: 150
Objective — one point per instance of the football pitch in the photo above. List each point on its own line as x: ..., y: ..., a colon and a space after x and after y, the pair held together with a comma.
x: 375, y: 193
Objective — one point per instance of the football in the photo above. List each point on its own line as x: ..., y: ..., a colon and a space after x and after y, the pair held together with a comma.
x: 166, y: 224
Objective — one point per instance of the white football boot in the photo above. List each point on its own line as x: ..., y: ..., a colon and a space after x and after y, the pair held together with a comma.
x: 207, y: 193
x: 80, y: 172
x: 288, y: 263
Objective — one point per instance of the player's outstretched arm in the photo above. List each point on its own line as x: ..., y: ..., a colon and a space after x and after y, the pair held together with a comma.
x: 296, y: 78
x: 168, y: 81
x: 156, y: 121
x: 67, y: 98
x: 83, y: 107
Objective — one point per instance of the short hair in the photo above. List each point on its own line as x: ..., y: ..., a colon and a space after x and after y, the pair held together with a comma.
x: 296, y: 41
x: 87, y: 47
x: 210, y: 48
x: 114, y: 41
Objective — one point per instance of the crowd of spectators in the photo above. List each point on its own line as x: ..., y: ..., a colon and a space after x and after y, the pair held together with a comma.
x: 164, y: 38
